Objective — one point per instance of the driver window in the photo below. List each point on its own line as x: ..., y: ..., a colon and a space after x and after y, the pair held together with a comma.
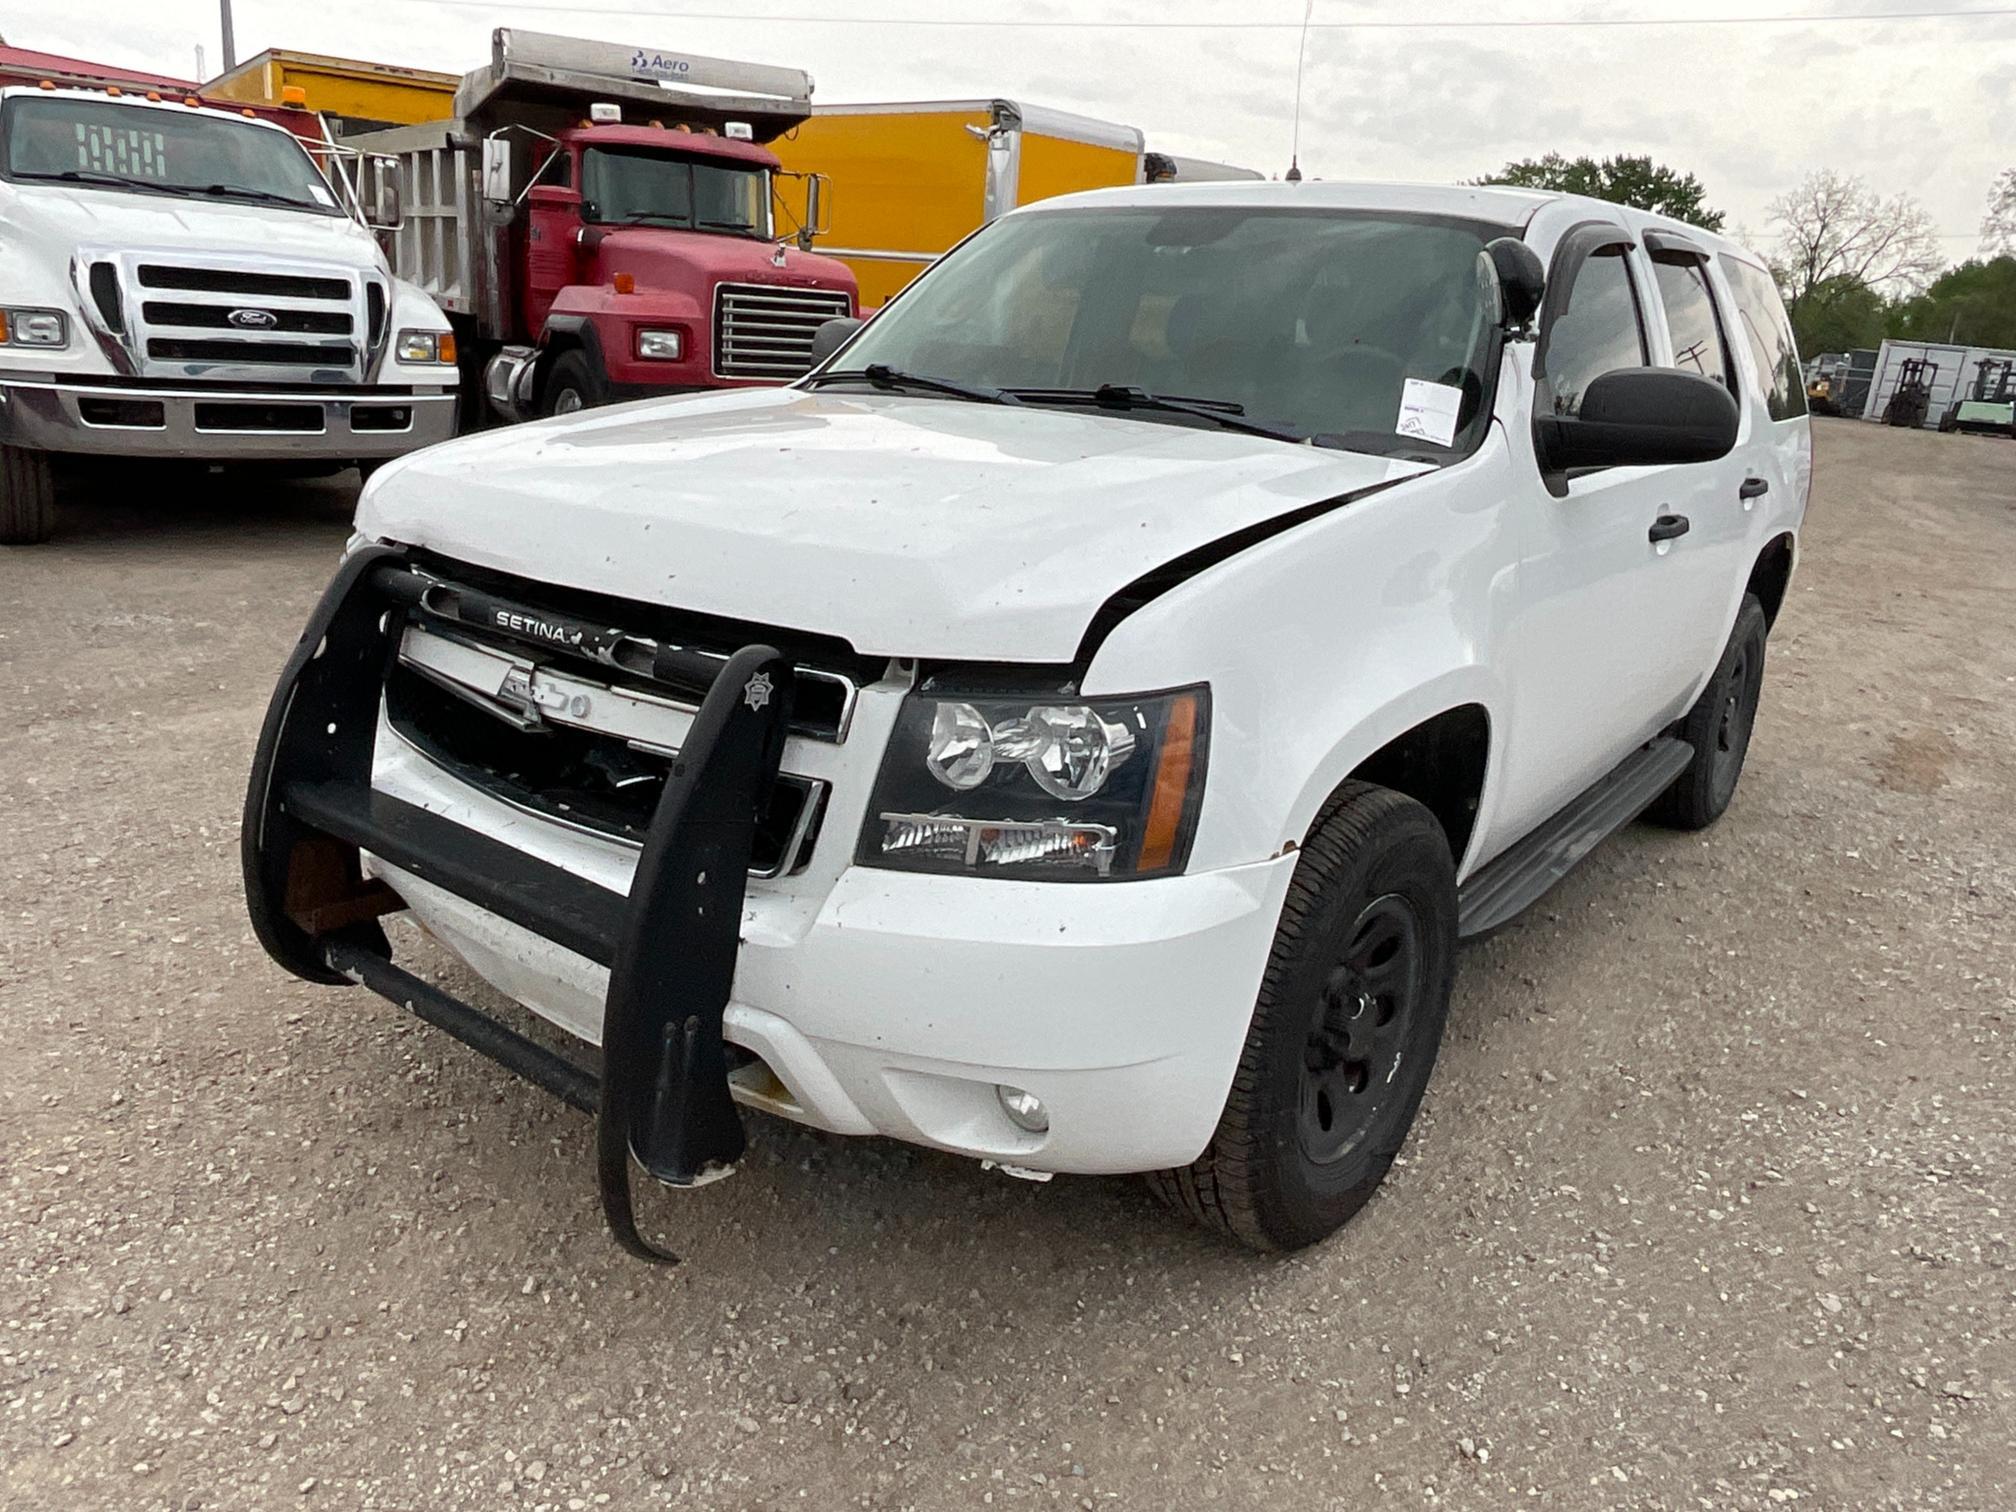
x: 1600, y: 331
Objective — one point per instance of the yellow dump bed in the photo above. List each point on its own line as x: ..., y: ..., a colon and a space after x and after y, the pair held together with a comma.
x: 352, y: 93
x: 910, y: 180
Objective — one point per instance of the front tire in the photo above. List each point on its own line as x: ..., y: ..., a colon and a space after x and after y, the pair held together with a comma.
x: 1718, y: 727
x: 571, y: 385
x: 27, y: 497
x: 1344, y: 1034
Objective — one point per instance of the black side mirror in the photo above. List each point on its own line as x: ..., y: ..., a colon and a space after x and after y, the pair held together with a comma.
x: 1522, y: 281
x: 831, y: 335
x: 1640, y: 417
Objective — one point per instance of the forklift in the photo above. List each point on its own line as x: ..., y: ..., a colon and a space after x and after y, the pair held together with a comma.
x: 1990, y: 408
x: 1912, y: 397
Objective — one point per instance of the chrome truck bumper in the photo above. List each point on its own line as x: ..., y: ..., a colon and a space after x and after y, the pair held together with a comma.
x: 222, y: 424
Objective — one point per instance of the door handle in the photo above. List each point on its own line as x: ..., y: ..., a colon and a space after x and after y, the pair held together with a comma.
x: 1753, y: 488
x: 1668, y: 526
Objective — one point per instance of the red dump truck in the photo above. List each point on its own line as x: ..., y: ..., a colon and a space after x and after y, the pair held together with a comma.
x: 603, y: 222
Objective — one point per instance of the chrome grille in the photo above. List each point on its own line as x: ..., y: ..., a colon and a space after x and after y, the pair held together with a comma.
x: 764, y: 331
x: 240, y: 319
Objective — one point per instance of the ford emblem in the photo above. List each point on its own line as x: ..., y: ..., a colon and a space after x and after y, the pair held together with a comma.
x: 253, y: 320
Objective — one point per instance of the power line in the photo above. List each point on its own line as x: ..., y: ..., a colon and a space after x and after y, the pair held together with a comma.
x: 631, y: 13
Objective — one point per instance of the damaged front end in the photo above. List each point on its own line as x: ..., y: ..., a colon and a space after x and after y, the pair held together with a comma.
x: 661, y: 1097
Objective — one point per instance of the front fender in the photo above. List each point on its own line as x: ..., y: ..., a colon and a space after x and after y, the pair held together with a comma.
x: 1324, y: 643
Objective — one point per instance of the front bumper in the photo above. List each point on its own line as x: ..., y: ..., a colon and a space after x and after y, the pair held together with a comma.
x: 227, y: 424
x: 894, y: 1003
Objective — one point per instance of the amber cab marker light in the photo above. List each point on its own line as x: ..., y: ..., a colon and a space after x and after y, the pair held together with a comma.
x: 154, y: 95
x: 46, y: 84
x: 1172, y: 786
x: 626, y: 283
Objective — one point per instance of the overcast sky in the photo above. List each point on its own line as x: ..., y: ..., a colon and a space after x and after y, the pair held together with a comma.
x: 1921, y: 105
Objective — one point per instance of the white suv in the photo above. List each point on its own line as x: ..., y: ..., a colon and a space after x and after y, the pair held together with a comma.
x: 1074, y: 726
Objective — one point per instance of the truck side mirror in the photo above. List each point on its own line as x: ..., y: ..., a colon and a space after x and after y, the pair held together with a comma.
x: 1640, y: 417
x: 818, y: 200
x: 497, y: 170
x: 382, y: 210
x: 829, y: 336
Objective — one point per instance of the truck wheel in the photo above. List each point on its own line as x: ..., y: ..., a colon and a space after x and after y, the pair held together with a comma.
x: 572, y: 384
x: 1718, y: 727
x: 27, y: 497
x: 1344, y: 1033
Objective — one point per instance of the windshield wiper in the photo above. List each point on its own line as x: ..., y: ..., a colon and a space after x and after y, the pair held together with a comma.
x: 728, y: 225
x: 880, y: 375
x: 1122, y: 396
x: 263, y: 196
x: 111, y: 181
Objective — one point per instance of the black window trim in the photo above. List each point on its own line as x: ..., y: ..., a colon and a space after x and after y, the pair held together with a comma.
x: 1583, y: 241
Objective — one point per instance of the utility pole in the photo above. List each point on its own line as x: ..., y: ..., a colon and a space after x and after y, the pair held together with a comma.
x: 230, y: 43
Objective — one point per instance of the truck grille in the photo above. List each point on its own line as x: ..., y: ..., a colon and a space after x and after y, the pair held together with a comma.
x: 588, y: 778
x: 764, y: 331
x: 243, y: 323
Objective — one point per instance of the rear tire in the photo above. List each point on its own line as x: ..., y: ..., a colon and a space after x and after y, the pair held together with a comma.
x: 1718, y: 727
x: 1344, y: 1033
x: 27, y: 497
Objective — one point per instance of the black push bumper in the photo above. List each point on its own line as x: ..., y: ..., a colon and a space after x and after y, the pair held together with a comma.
x: 662, y: 1094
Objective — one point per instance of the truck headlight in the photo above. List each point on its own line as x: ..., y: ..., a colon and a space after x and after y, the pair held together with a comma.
x: 36, y: 328
x: 425, y: 346
x: 1067, y: 788
x: 661, y: 346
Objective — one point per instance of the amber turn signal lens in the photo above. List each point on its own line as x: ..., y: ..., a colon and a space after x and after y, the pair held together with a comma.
x: 444, y: 347
x: 1172, y: 785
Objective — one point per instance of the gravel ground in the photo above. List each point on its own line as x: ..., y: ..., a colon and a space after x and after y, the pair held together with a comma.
x: 1707, y: 1206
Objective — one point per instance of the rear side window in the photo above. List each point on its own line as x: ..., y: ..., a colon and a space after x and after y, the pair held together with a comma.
x: 1762, y: 316
x: 1699, y: 345
x: 1599, y: 332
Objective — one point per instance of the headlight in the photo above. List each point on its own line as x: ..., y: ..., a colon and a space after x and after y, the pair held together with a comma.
x: 36, y: 328
x: 1073, y: 789
x: 426, y: 346
x: 661, y: 346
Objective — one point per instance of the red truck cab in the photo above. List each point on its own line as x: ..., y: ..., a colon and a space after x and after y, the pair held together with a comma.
x: 651, y: 263
x: 601, y: 222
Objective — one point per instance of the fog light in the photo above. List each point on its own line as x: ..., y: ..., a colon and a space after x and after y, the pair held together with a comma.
x: 1024, y: 1109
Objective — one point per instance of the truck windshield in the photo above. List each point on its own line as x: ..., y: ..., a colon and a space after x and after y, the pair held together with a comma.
x: 103, y: 145
x: 1366, y: 330
x: 643, y: 188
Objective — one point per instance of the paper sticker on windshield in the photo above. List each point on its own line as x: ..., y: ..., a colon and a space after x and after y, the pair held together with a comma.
x: 1428, y: 411
x: 322, y: 196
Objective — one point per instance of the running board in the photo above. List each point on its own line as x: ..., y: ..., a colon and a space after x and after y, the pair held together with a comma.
x: 1509, y: 884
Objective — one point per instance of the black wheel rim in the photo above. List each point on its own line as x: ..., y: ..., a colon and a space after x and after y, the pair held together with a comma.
x: 1359, y: 1029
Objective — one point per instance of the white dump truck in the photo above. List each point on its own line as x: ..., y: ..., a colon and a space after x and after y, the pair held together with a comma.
x: 184, y: 282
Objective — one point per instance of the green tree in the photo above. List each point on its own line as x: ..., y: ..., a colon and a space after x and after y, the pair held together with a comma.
x: 1973, y: 305
x: 1635, y: 181
x: 1839, y: 315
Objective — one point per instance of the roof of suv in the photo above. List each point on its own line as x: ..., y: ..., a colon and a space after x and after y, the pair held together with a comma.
x: 1513, y: 209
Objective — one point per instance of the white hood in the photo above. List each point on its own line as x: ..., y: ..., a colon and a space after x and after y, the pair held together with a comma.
x: 908, y: 526
x: 61, y: 217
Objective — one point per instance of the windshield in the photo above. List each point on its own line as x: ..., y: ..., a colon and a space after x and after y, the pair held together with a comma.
x: 656, y: 189
x: 94, y: 144
x: 1371, y: 330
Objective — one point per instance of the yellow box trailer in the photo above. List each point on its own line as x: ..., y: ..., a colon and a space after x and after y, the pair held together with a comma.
x: 909, y: 180
x: 354, y: 95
